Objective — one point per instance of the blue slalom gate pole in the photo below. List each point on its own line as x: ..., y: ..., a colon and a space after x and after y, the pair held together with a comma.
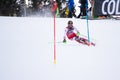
x: 87, y: 20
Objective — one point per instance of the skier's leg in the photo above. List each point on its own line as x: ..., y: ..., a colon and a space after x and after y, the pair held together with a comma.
x: 82, y: 40
x: 87, y: 42
x: 92, y: 43
x: 78, y: 39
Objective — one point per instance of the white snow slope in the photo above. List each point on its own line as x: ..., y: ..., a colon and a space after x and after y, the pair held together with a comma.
x: 26, y: 50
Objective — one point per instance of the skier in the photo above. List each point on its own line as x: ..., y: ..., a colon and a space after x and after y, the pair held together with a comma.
x: 73, y: 34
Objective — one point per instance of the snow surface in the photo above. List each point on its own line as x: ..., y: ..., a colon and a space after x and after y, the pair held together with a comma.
x: 26, y: 50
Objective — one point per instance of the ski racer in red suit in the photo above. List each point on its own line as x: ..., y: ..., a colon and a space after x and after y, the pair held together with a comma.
x: 73, y: 34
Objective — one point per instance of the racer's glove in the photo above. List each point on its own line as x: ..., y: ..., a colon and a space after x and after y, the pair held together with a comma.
x: 78, y: 33
x: 64, y: 41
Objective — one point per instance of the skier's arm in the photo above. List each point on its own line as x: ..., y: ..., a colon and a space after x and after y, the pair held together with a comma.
x: 78, y: 33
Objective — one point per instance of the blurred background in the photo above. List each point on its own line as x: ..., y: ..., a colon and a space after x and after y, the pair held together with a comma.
x: 94, y: 9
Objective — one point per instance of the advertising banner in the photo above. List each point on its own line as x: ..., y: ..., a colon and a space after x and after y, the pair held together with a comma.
x: 106, y: 7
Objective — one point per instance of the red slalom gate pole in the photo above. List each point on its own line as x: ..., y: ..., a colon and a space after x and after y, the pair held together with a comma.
x: 54, y: 39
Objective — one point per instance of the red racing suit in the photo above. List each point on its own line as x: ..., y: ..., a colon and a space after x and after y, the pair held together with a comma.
x: 70, y: 32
